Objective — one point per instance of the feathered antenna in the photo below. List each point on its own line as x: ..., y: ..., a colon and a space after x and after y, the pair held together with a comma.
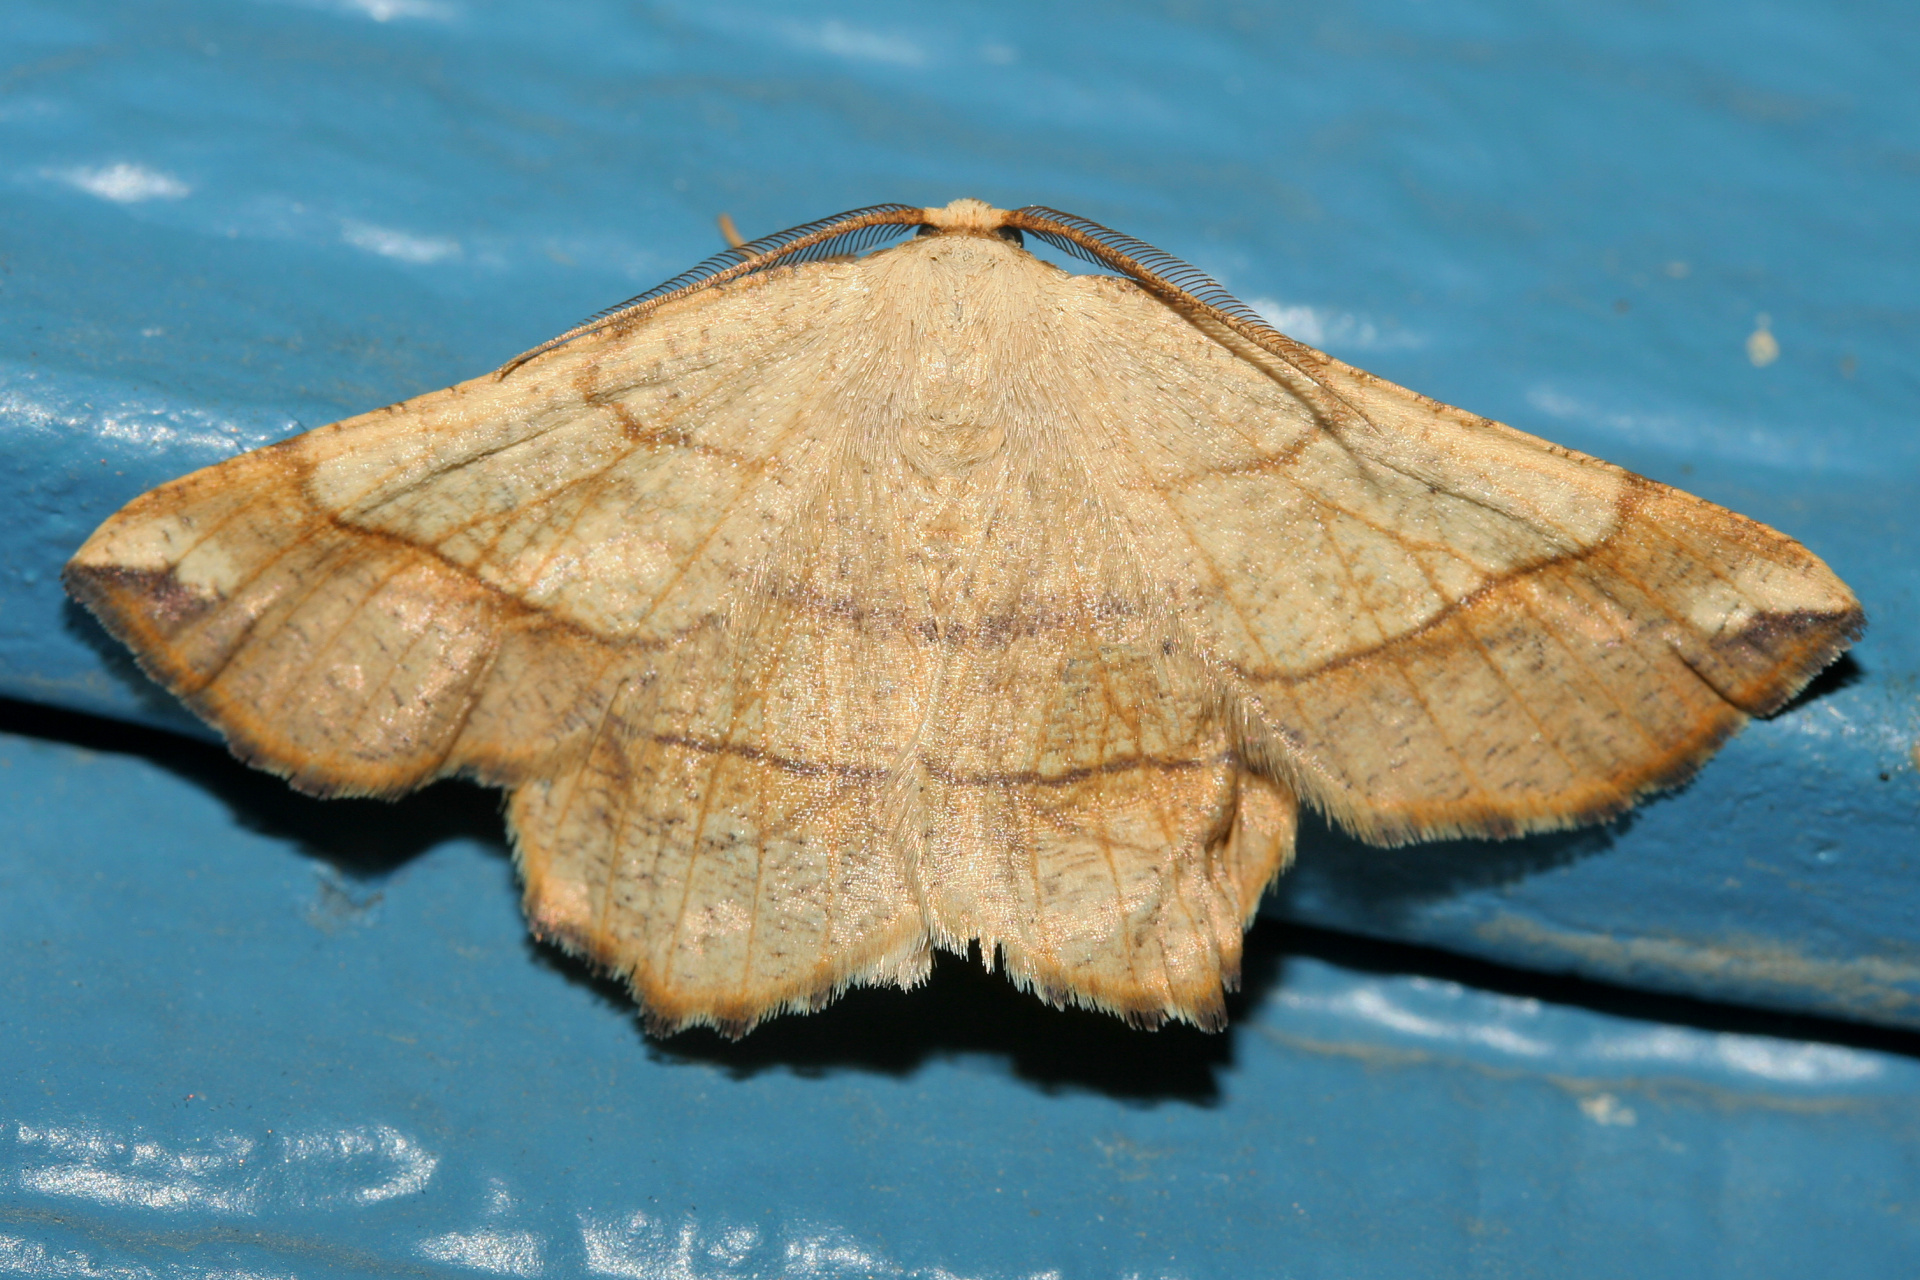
x: 1187, y: 285
x: 850, y: 232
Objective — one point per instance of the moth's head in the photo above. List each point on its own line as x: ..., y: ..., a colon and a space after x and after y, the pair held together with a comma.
x: 963, y: 216
x: 970, y: 218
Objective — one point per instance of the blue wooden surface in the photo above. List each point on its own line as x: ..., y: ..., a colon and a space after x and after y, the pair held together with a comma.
x: 224, y: 221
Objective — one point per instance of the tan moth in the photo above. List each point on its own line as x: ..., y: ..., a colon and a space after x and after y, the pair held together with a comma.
x: 820, y: 610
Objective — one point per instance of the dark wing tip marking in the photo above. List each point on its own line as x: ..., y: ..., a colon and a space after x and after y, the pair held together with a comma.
x: 1796, y: 646
x: 111, y: 590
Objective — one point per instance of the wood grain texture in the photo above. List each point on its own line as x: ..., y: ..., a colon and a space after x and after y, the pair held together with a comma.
x: 830, y: 612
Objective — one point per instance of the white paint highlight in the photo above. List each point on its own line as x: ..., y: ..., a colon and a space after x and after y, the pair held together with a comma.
x: 226, y: 1173
x: 85, y: 1163
x: 386, y: 10
x: 1377, y: 1004
x: 23, y: 1257
x: 1327, y: 329
x: 506, y: 1253
x: 641, y: 1247
x: 843, y: 40
x: 1780, y: 1061
x: 124, y: 183
x: 402, y: 246
x: 1451, y: 1015
x: 1692, y: 434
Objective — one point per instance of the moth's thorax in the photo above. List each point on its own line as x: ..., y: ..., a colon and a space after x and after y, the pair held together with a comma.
x: 953, y: 319
x: 966, y: 215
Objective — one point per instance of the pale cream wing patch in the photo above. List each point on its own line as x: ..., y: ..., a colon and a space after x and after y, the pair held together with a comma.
x: 1440, y: 625
x: 732, y: 841
x: 1090, y: 820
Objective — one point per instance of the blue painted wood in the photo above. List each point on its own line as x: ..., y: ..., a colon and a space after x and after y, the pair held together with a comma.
x: 228, y: 220
x: 249, y: 1034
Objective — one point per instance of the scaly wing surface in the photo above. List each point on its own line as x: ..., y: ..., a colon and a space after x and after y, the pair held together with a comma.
x: 1437, y: 625
x: 1091, y: 821
x: 617, y: 581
